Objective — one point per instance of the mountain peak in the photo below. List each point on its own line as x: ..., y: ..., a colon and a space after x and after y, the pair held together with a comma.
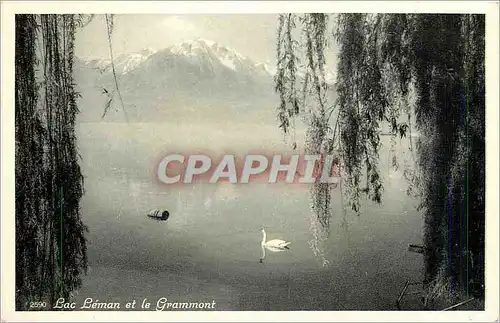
x: 147, y: 51
x: 192, y: 47
x: 210, y: 50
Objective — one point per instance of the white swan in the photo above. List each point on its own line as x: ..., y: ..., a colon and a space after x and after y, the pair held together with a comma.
x: 275, y: 245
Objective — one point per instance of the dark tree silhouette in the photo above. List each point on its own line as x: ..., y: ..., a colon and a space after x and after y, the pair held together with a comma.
x: 50, y: 242
x: 427, y: 67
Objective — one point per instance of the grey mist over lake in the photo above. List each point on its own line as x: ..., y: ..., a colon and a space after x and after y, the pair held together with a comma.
x: 196, y: 94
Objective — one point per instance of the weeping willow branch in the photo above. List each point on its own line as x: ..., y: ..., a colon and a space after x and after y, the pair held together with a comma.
x: 285, y: 78
x: 50, y: 242
x: 387, y: 62
x: 109, y: 26
x: 313, y: 84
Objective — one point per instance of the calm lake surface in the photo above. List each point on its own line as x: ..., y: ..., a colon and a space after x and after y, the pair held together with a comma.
x: 209, y: 249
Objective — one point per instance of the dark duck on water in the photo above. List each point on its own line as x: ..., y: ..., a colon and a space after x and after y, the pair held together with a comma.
x: 159, y: 215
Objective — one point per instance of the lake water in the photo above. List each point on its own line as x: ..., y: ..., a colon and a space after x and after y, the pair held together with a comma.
x: 209, y: 249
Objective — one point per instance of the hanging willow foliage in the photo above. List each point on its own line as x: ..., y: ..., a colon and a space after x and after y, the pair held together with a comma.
x: 50, y: 243
x: 312, y: 101
x: 390, y: 64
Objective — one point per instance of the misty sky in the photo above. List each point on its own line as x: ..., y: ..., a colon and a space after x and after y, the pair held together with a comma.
x: 251, y: 35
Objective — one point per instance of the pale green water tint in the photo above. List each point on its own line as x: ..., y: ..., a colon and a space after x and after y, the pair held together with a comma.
x: 209, y: 249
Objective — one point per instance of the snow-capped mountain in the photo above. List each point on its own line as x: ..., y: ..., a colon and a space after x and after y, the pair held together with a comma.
x: 194, y: 75
x: 123, y: 63
x: 194, y: 52
x: 201, y: 54
x: 200, y: 48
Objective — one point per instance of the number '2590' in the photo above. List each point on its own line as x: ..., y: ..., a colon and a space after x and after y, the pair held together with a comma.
x: 38, y: 304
